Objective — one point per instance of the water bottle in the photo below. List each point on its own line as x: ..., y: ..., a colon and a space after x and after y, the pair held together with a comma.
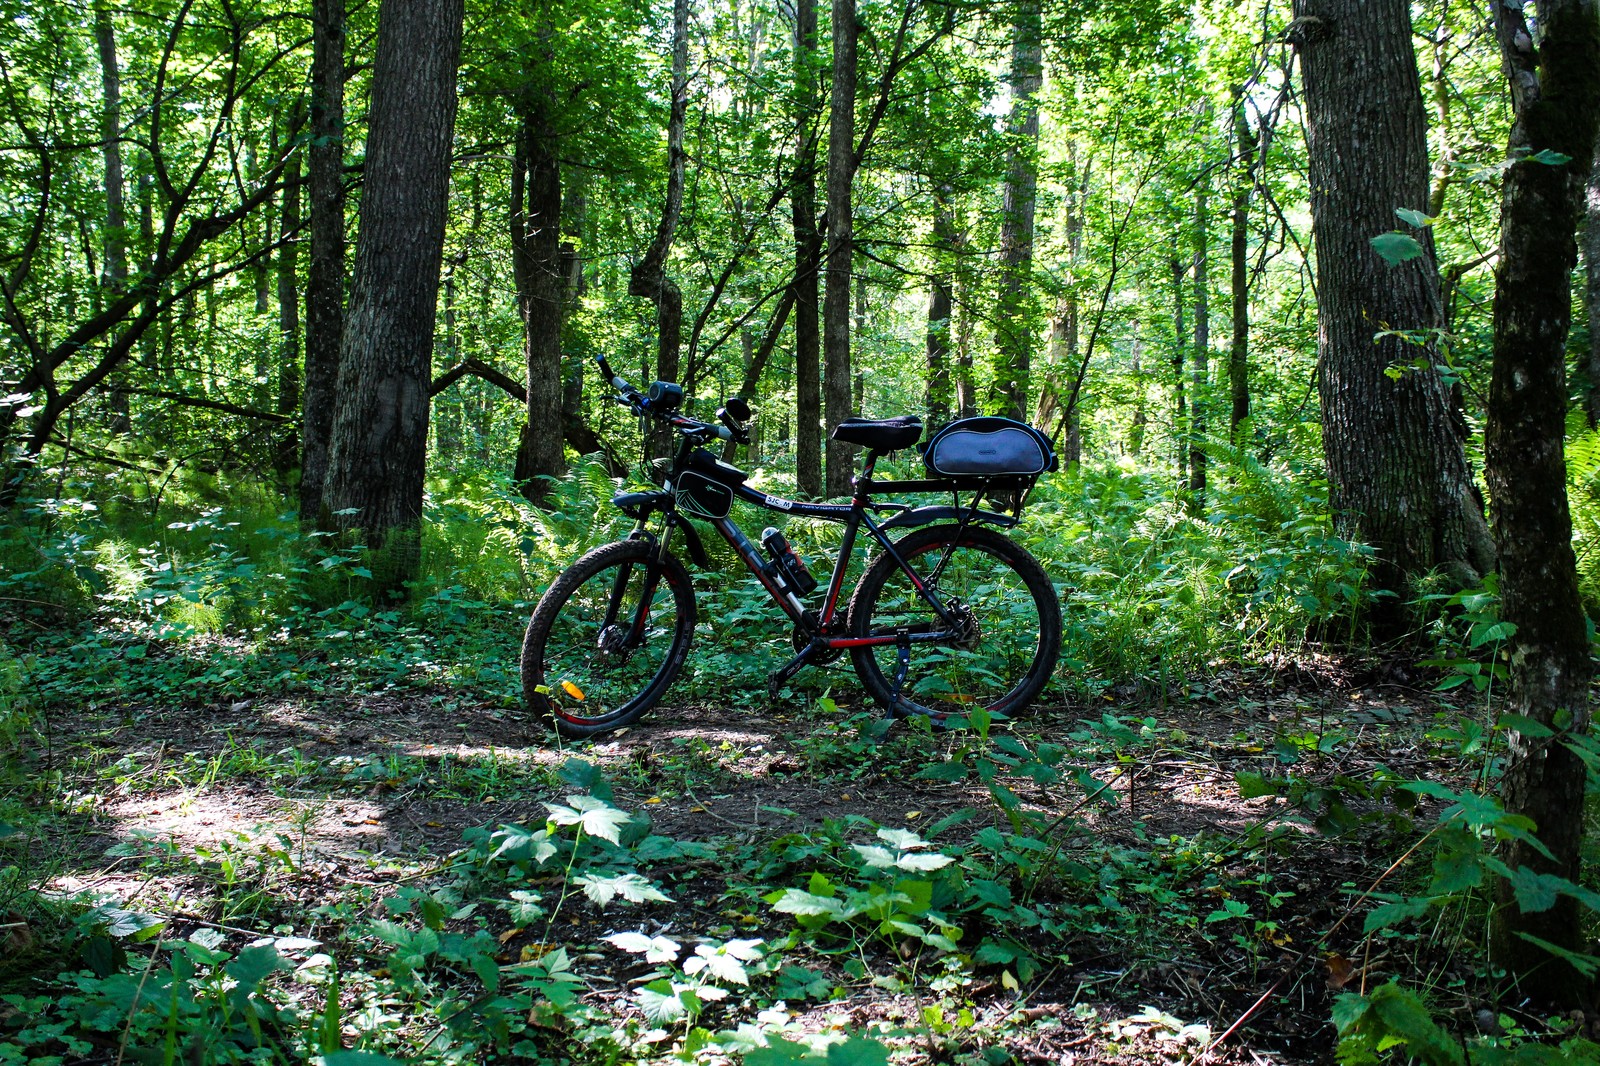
x: 787, y: 562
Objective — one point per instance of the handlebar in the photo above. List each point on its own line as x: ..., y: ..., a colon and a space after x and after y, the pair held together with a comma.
x: 641, y: 404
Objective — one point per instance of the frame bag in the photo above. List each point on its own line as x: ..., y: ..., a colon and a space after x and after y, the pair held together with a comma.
x: 981, y: 449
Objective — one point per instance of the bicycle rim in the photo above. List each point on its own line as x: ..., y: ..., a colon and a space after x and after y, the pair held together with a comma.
x: 607, y: 639
x: 1006, y: 639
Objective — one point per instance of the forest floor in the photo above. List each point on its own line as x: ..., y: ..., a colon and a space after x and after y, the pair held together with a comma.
x: 263, y: 816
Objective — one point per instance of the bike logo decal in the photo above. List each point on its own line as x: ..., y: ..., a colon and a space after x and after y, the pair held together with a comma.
x: 778, y: 504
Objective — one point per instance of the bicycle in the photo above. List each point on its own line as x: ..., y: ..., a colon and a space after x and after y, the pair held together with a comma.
x: 950, y: 615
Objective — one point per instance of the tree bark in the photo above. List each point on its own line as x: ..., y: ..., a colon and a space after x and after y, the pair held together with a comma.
x: 1140, y: 419
x: 1555, y: 93
x: 1591, y: 262
x: 536, y: 266
x: 808, y: 258
x: 377, y: 455
x: 841, y: 245
x: 938, y: 392
x: 1200, y: 357
x: 325, y: 267
x: 1397, y: 469
x: 114, y: 272
x: 1014, y: 310
x: 1180, y: 413
x: 1239, y: 251
x: 649, y: 276
x: 288, y: 402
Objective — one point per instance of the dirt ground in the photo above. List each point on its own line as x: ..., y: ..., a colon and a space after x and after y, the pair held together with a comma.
x: 198, y: 778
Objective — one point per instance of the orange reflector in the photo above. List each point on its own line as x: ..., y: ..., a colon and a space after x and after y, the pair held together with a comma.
x: 572, y: 690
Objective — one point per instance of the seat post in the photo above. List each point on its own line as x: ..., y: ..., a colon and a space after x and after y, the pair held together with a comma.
x: 866, y: 470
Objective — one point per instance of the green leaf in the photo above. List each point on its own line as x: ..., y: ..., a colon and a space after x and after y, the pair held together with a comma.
x: 356, y: 1058
x: 1396, y: 248
x: 942, y: 771
x: 1528, y: 727
x: 1418, y: 219
x: 1550, y: 158
x: 858, y: 1051
x: 1536, y: 892
x: 662, y: 1001
x: 1407, y: 1017
x: 780, y: 1052
x: 1253, y: 786
x: 1349, y: 1009
x: 1587, y: 965
x: 794, y: 901
x: 653, y: 948
x: 630, y: 886
x: 1456, y: 871
x: 1391, y: 913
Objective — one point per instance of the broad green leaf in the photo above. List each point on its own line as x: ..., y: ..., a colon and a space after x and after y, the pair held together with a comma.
x: 653, y: 948
x: 1550, y: 158
x: 629, y: 886
x: 1528, y: 727
x: 794, y: 901
x: 1396, y: 248
x: 1418, y: 219
x: 1535, y: 892
x: 858, y: 1051
x: 1587, y: 965
x: 1253, y: 786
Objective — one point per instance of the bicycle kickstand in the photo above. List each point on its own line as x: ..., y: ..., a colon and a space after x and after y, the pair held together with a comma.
x: 902, y: 646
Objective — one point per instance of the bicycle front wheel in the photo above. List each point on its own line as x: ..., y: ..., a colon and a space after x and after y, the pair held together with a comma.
x: 1001, y: 640
x: 607, y: 638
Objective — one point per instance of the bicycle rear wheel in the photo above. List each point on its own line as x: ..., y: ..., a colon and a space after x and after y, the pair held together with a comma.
x: 607, y: 638
x: 1007, y: 635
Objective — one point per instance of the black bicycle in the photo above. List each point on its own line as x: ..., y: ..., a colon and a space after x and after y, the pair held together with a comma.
x: 949, y: 616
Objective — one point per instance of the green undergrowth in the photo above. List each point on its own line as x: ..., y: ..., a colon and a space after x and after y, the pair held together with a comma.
x: 202, y: 600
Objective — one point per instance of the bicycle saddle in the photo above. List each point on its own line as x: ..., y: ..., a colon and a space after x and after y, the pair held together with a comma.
x: 880, y: 434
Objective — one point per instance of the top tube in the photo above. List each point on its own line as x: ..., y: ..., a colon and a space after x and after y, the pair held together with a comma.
x: 831, y: 512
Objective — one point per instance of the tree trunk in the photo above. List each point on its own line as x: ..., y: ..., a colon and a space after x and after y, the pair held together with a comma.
x: 1180, y: 406
x: 1397, y: 469
x: 808, y: 259
x: 288, y: 400
x: 937, y: 392
x: 1239, y: 346
x: 325, y: 268
x: 1200, y: 358
x: 536, y: 266
x: 1591, y: 262
x: 1140, y: 419
x: 377, y: 455
x: 1014, y: 310
x: 114, y: 275
x: 1555, y: 95
x: 841, y: 243
x: 649, y: 276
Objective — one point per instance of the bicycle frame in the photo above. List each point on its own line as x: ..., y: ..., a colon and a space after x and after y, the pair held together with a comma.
x: 825, y: 627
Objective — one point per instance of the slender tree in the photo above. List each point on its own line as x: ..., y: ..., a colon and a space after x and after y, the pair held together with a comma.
x: 288, y: 399
x: 1397, y: 469
x: 1014, y: 318
x: 1591, y: 262
x: 1239, y: 263
x: 376, y: 457
x: 535, y: 218
x: 840, y: 245
x: 1555, y: 95
x: 325, y: 266
x: 649, y: 277
x: 807, y: 256
x: 1200, y: 353
x: 114, y: 273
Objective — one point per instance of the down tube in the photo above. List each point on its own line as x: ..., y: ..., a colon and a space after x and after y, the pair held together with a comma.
x: 752, y: 558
